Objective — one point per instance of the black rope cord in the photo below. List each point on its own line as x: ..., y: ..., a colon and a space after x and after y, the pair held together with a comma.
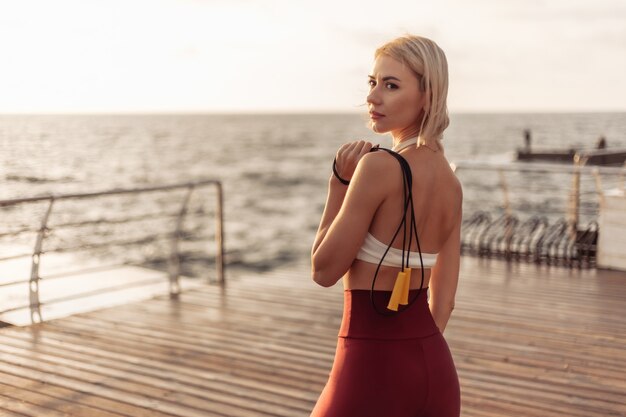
x: 344, y: 182
x: 407, y: 181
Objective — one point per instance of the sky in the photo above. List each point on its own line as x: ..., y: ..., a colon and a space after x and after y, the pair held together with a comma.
x: 258, y: 56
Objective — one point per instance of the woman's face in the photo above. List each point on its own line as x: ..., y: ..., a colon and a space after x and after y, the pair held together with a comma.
x: 395, y: 101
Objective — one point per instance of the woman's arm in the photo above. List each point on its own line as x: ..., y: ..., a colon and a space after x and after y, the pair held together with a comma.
x: 347, y: 158
x: 346, y: 219
x: 336, y: 194
x: 445, y: 277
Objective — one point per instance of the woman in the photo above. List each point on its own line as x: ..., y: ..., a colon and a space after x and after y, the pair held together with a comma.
x: 391, y: 358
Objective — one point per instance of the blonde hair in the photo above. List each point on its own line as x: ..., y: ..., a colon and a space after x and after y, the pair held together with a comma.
x: 428, y: 61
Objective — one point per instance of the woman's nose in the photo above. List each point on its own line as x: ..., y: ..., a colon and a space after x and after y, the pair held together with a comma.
x: 373, y: 97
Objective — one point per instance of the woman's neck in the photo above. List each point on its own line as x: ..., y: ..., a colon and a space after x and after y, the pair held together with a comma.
x: 405, y: 144
x: 400, y: 139
x: 397, y: 139
x: 404, y: 135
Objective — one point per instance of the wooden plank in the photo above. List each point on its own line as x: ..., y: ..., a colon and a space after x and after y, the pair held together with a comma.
x: 26, y: 396
x: 527, y: 340
x: 98, y: 288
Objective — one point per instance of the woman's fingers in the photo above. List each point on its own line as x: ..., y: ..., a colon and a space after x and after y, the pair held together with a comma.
x: 354, y: 149
x: 365, y: 149
x: 348, y: 156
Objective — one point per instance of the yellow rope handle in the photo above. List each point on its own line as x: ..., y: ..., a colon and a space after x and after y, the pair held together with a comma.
x: 400, y: 292
x: 404, y: 298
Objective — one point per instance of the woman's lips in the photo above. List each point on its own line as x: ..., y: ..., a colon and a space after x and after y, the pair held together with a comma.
x: 375, y: 115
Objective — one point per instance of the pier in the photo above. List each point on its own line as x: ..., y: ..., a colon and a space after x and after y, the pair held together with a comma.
x: 527, y: 340
x: 599, y: 155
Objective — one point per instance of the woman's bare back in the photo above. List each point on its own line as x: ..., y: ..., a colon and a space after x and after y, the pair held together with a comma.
x: 437, y: 200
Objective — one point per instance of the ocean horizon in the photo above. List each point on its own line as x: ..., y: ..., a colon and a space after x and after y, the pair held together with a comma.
x: 274, y: 167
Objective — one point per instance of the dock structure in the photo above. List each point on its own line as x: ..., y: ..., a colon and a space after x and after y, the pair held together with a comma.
x: 527, y: 341
x: 599, y: 155
x: 603, y: 157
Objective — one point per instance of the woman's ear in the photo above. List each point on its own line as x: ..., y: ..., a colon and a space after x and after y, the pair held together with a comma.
x: 426, y: 104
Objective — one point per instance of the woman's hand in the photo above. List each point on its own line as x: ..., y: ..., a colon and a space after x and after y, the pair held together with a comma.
x: 348, y: 157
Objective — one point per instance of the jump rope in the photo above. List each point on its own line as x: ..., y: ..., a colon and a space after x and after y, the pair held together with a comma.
x: 399, y: 294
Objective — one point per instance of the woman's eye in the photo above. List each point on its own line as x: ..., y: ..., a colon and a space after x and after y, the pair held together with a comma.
x: 389, y: 86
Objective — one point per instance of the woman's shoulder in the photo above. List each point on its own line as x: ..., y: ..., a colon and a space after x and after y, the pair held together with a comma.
x: 377, y: 163
x: 454, y: 179
x: 447, y: 179
x: 378, y: 170
x: 453, y: 184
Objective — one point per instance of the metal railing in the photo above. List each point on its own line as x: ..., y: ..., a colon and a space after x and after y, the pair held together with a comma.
x: 44, y: 231
x: 534, y: 212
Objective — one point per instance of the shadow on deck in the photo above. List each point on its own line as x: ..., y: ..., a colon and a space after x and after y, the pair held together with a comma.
x: 527, y: 341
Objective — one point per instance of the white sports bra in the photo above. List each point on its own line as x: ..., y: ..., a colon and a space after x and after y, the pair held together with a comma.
x: 373, y: 249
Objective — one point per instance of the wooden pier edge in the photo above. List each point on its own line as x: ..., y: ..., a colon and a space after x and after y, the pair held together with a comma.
x: 527, y: 341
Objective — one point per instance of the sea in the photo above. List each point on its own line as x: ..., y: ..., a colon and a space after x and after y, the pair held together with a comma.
x: 274, y: 169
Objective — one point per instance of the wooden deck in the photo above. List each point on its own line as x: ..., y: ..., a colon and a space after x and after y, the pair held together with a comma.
x: 527, y: 341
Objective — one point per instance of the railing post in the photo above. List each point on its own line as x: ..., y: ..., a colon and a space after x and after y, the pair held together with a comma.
x: 508, y: 231
x: 579, y: 161
x: 219, y: 234
x: 174, y: 259
x: 33, y: 284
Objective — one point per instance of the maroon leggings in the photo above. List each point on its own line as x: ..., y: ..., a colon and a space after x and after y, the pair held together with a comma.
x: 397, y: 366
